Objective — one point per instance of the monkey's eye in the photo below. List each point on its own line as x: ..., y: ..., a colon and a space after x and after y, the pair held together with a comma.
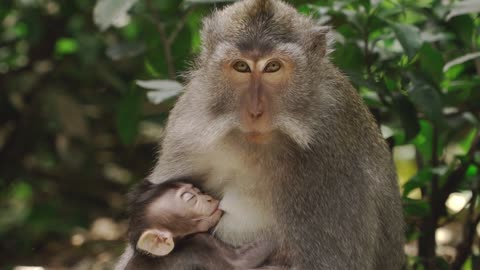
x: 241, y: 66
x: 187, y: 196
x: 272, y: 67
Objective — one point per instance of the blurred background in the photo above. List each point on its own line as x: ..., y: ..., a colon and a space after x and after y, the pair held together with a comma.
x: 86, y: 86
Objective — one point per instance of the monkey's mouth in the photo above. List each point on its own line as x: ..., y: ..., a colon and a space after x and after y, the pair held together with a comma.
x: 216, y: 209
x: 258, y: 137
x: 215, y: 216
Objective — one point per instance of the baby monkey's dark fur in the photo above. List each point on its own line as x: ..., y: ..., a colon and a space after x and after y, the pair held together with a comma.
x: 198, y: 251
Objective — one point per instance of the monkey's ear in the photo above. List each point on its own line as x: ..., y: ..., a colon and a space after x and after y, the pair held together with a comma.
x: 156, y: 242
x: 319, y: 39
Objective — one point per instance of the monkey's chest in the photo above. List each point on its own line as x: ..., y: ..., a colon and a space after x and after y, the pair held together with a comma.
x: 246, y: 214
x: 245, y: 219
x: 245, y: 197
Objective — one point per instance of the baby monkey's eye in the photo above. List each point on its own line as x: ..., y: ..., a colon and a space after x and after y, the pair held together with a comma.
x: 241, y: 66
x: 187, y: 196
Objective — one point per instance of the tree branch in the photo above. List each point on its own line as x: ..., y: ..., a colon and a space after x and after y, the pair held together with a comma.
x: 168, y: 40
x: 426, y: 242
x: 179, y: 26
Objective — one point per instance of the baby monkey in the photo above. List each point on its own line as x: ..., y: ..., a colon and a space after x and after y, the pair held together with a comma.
x: 171, y: 219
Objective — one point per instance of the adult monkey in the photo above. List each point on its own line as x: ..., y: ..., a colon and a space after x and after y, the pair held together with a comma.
x: 283, y: 138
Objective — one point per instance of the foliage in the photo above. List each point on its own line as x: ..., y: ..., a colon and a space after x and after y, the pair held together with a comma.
x: 77, y: 125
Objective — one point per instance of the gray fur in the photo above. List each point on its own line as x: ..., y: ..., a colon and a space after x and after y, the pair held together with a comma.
x: 326, y: 188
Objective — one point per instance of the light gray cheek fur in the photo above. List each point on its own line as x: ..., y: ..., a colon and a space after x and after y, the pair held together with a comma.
x: 295, y: 129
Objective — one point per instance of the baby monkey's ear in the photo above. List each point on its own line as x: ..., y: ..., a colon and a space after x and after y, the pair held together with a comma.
x: 156, y: 242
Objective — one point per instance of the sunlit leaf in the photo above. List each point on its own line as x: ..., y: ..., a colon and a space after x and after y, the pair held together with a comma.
x: 107, y: 12
x: 423, y: 141
x: 460, y: 60
x: 160, y: 85
x: 409, y: 37
x: 453, y: 72
x: 164, y: 89
x: 466, y: 143
x: 464, y: 7
x: 157, y: 97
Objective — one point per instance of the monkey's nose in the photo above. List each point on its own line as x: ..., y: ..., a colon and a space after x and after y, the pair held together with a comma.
x: 256, y: 114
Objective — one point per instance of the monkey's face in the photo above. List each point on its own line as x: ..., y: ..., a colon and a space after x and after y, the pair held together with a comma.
x: 261, y: 90
x: 257, y: 83
x: 191, y: 206
x: 261, y: 68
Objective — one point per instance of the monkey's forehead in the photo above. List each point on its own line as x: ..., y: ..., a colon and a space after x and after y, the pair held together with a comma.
x: 256, y: 24
x: 286, y: 51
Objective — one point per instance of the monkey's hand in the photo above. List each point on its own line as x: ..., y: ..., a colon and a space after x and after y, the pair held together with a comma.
x: 254, y: 254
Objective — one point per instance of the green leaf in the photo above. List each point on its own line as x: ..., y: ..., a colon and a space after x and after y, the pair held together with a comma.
x: 404, y: 108
x: 431, y: 62
x: 66, y: 46
x: 463, y: 27
x: 409, y: 38
x: 472, y: 171
x: 349, y: 56
x: 129, y: 115
x: 418, y: 181
x: 467, y: 142
x: 427, y: 100
x: 423, y: 141
x: 417, y: 208
x: 453, y: 72
x: 21, y: 30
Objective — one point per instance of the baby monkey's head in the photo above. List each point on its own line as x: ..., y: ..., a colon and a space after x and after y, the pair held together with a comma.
x: 162, y: 213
